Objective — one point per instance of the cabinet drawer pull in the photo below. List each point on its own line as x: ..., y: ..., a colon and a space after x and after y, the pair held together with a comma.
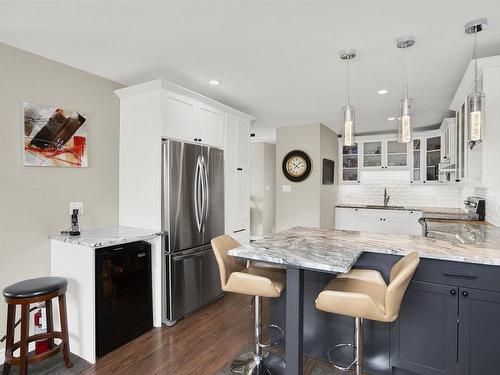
x: 239, y: 230
x: 239, y: 169
x: 461, y: 275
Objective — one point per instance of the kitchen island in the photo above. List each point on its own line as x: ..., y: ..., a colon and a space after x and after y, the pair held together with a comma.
x: 455, y: 282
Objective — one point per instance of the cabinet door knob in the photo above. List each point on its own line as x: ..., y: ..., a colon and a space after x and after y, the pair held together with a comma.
x: 453, y: 292
x: 196, y: 139
x: 465, y: 293
x: 199, y: 139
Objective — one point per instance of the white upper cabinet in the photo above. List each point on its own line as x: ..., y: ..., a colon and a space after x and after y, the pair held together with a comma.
x: 231, y: 133
x: 209, y: 126
x: 384, y: 154
x: 243, y: 144
x: 237, y: 142
x: 179, y: 116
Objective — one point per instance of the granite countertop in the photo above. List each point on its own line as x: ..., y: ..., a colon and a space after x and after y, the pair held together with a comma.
x: 336, y: 251
x: 476, y: 233
x: 108, y: 236
x: 428, y: 212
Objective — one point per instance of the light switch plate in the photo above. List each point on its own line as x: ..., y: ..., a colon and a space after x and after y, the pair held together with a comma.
x: 286, y: 188
x: 76, y: 206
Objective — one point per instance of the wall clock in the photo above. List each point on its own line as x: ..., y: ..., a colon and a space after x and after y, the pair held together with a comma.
x: 296, y: 165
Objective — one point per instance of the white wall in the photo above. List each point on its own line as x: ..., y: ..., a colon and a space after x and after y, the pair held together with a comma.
x: 34, y: 201
x: 402, y: 193
x: 262, y: 188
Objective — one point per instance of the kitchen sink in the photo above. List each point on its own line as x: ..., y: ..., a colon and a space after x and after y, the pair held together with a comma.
x: 384, y: 207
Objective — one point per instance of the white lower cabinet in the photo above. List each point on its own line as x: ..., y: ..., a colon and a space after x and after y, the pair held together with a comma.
x: 378, y: 221
x: 346, y: 218
x: 371, y: 221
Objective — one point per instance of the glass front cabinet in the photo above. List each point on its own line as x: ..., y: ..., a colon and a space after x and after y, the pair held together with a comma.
x: 421, y: 157
x: 426, y: 156
x: 385, y: 154
x: 350, y: 167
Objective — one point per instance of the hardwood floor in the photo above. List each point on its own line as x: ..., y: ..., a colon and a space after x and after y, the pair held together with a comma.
x: 201, y: 344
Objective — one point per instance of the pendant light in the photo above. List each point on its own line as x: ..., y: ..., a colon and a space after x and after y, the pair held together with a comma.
x: 475, y: 100
x: 348, y: 113
x: 405, y: 120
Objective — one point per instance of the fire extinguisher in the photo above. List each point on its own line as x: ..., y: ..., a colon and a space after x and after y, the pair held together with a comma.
x: 40, y: 326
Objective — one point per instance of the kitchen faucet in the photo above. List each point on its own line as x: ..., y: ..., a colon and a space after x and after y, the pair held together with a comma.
x: 386, y: 197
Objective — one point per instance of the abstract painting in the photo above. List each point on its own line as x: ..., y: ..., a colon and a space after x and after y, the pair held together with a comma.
x: 54, y: 137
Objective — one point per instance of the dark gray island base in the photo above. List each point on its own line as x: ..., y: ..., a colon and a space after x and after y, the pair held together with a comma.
x: 448, y: 322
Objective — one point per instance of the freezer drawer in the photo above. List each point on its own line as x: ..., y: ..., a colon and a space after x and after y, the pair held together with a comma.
x: 194, y: 282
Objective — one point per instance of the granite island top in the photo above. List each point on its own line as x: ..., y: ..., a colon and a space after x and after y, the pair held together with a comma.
x: 336, y: 251
x: 108, y: 236
x: 428, y: 212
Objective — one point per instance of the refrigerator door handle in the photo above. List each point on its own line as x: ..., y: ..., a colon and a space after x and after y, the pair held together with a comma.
x: 206, y: 199
x: 196, y: 196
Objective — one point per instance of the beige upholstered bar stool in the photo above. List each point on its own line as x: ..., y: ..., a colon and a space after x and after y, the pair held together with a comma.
x: 253, y: 281
x: 363, y: 294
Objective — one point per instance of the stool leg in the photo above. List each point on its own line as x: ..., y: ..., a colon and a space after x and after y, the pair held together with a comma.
x: 359, y: 346
x: 50, y: 320
x: 64, y: 330
x: 11, y: 321
x: 25, y: 326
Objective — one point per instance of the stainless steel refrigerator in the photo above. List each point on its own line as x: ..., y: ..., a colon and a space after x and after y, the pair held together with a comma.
x: 192, y: 214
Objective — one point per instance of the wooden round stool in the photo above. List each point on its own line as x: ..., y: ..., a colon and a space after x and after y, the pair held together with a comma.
x: 24, y: 293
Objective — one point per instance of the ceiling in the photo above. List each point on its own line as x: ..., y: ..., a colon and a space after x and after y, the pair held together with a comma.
x: 277, y: 60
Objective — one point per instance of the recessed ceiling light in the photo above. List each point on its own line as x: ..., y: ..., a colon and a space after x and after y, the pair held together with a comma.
x: 391, y: 118
x: 382, y: 92
x: 214, y: 82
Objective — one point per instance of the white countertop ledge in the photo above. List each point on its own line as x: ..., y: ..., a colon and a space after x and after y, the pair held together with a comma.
x: 108, y: 236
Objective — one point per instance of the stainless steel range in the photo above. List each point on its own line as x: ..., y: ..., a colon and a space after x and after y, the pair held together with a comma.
x: 476, y: 208
x: 475, y: 211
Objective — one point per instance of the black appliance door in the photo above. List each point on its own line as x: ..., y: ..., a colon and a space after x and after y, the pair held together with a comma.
x: 123, y: 294
x: 194, y: 281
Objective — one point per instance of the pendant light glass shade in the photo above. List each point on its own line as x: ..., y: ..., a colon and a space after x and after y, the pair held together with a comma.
x: 404, y: 127
x: 475, y: 101
x: 405, y: 113
x: 348, y: 121
x: 348, y: 113
x: 476, y: 115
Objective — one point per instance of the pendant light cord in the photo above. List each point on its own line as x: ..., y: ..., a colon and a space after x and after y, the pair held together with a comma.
x: 474, y: 56
x: 347, y: 85
x: 406, y: 72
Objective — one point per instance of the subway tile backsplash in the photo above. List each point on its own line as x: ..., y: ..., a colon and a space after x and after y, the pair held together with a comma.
x: 402, y: 193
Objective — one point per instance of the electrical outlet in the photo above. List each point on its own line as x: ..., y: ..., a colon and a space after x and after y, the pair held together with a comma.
x: 76, y: 206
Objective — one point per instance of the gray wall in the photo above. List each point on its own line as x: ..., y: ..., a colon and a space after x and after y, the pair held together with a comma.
x: 34, y: 201
x: 329, y: 194
x: 262, y: 188
x: 303, y: 205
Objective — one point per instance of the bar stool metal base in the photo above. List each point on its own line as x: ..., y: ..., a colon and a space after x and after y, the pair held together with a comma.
x: 258, y: 362
x: 358, y: 347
